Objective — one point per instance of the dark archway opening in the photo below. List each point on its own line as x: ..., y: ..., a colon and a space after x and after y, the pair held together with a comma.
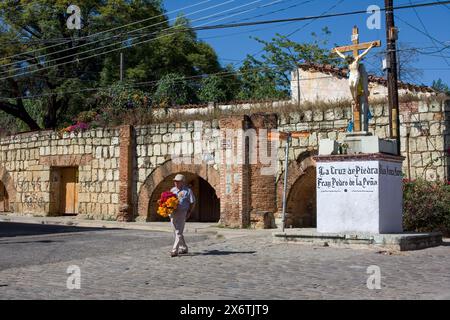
x: 301, y: 201
x: 4, y: 198
x: 207, y: 207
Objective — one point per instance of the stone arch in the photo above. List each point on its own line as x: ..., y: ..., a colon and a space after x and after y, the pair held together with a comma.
x: 165, y: 171
x: 301, y: 191
x: 9, y: 190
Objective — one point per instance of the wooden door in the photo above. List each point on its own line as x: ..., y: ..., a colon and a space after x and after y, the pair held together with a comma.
x: 69, y: 191
x: 4, y: 202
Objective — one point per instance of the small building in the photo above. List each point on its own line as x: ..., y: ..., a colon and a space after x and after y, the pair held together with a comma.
x: 326, y: 83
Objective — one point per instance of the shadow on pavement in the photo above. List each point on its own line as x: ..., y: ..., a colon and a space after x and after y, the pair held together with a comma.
x: 217, y: 253
x: 14, y: 229
x: 12, y: 242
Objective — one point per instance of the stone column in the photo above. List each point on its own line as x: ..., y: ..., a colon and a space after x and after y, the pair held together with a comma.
x: 126, y: 143
x: 234, y: 172
x: 262, y: 180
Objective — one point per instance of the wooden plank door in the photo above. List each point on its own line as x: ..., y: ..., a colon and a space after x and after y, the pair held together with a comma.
x: 4, y: 204
x: 69, y: 191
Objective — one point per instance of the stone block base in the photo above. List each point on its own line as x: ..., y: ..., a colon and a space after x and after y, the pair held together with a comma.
x: 362, y: 142
x: 262, y: 220
x: 398, y: 241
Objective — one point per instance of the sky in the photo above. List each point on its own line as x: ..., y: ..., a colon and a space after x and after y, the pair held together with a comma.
x: 426, y: 28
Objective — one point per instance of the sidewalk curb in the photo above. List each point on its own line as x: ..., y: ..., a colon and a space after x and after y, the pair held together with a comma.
x: 208, y: 230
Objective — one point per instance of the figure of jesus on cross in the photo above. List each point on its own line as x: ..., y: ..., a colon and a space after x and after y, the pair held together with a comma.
x: 358, y: 79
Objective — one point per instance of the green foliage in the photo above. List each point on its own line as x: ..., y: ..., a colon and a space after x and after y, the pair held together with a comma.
x: 426, y: 206
x: 260, y: 83
x: 116, y: 105
x: 173, y: 51
x: 66, y: 90
x: 269, y: 76
x: 218, y: 88
x: 441, y: 86
x: 8, y: 124
x: 212, y: 90
x: 122, y: 96
x: 172, y: 90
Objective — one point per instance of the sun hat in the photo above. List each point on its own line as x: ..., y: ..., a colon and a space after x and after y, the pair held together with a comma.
x: 178, y: 177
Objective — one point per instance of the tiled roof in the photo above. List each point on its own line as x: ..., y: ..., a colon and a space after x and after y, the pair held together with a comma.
x: 342, y: 72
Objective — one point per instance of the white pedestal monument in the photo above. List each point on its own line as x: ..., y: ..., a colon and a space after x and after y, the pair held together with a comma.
x: 360, y: 193
x: 359, y: 199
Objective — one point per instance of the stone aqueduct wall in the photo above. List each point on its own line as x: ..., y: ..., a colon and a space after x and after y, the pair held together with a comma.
x: 120, y: 167
x: 27, y: 159
x: 424, y: 131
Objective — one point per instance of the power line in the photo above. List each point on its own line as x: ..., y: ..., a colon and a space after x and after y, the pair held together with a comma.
x: 223, y: 26
x: 37, y: 41
x: 276, y: 2
x: 275, y: 11
x: 81, y: 38
x: 255, y: 30
x: 246, y: 24
x: 324, y: 13
x: 426, y: 31
x: 418, y: 30
x: 120, y: 35
x: 296, y: 19
x: 153, y: 83
x: 109, y: 30
x: 258, y: 52
x: 326, y: 16
x: 116, y: 43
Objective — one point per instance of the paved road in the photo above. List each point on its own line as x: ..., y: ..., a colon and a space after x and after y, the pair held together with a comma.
x: 130, y: 264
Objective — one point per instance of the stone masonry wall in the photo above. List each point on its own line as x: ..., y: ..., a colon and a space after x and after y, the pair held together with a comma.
x: 32, y: 159
x: 424, y: 130
x: 160, y: 143
x: 119, y: 168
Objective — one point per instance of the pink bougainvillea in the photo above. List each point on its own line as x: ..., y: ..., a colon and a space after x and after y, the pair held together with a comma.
x: 79, y: 126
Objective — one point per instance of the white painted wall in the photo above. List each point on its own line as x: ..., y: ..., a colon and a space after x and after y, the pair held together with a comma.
x: 318, y: 86
x: 354, y: 196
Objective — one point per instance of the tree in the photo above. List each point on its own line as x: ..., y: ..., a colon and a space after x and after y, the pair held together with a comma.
x: 173, y: 89
x: 440, y: 86
x: 407, y: 58
x: 212, y: 89
x: 260, y: 83
x: 32, y: 28
x: 222, y: 87
x: 281, y: 56
x: 176, y: 50
x: 62, y: 92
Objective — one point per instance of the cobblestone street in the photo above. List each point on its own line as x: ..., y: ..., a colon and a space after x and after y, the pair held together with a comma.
x: 135, y: 264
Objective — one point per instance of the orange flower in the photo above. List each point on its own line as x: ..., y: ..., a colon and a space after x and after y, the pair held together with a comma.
x: 167, y: 204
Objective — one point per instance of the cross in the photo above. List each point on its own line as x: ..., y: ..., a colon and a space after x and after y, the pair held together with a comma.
x: 355, y: 48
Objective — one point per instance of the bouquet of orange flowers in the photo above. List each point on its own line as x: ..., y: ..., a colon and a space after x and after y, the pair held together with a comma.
x: 167, y: 204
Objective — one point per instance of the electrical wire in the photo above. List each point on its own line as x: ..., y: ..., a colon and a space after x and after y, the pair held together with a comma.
x: 428, y: 33
x: 111, y: 29
x: 113, y: 44
x: 252, y: 23
x: 223, y: 26
x: 153, y: 83
x: 121, y: 35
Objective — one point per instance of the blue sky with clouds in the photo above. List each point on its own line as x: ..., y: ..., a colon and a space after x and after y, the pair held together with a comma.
x: 427, y: 28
